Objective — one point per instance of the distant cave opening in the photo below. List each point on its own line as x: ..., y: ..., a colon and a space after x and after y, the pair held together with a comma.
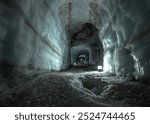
x: 86, y: 47
x: 81, y: 58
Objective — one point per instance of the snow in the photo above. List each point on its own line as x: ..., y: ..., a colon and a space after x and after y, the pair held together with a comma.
x: 74, y: 88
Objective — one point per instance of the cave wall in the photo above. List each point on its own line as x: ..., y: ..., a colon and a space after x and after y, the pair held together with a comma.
x: 124, y: 28
x: 33, y: 33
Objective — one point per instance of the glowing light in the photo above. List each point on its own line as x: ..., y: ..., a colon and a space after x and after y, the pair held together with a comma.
x: 99, y: 67
x: 108, y: 62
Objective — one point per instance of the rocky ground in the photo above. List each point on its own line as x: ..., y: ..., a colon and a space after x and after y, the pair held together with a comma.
x: 74, y: 88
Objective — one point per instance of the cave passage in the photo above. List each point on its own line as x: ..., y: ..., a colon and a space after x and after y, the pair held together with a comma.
x: 59, y: 53
x: 86, y: 47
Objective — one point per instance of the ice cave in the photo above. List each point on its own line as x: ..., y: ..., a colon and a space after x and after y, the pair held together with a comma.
x: 74, y: 53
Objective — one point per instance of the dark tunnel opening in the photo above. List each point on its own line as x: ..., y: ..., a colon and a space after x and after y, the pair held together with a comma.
x: 74, y: 53
x: 86, y: 42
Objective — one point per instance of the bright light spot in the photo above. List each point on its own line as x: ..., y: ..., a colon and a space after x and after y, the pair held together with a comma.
x: 99, y: 67
x: 108, y: 62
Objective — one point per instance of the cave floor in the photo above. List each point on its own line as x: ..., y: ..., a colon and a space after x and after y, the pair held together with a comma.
x: 74, y: 88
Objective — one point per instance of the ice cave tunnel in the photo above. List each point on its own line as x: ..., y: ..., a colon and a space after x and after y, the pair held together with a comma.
x: 60, y: 53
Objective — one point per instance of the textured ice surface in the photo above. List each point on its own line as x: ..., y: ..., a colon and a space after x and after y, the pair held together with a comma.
x: 33, y: 34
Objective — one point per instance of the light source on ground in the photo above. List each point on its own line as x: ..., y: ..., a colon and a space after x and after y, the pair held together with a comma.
x: 99, y: 67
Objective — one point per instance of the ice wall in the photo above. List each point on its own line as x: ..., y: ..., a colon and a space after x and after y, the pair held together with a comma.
x: 34, y: 33
x: 125, y: 33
